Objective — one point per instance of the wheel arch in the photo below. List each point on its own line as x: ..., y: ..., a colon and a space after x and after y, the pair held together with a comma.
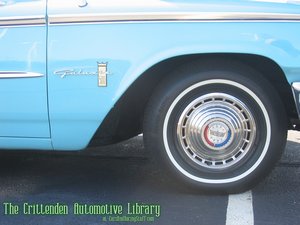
x: 125, y: 118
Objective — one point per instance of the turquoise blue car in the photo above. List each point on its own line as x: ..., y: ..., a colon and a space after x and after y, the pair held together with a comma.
x: 212, y: 85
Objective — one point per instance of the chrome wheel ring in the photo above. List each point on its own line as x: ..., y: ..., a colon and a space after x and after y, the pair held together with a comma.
x: 216, y: 130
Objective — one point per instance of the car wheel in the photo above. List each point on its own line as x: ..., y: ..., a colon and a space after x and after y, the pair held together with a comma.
x: 216, y: 127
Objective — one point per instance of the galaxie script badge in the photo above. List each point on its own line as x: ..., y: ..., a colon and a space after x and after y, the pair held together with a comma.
x: 72, y: 72
x: 101, y: 72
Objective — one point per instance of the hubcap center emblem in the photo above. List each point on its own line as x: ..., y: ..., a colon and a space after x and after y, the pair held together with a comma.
x: 217, y: 135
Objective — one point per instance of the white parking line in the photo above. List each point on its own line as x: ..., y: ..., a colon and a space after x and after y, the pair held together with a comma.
x: 240, y: 209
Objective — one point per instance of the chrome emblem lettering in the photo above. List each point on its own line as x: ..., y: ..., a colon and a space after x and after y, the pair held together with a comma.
x: 65, y: 73
x: 101, y: 73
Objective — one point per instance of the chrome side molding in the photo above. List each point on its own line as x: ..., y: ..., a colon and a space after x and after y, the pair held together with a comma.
x: 19, y: 74
x: 57, y: 19
x: 22, y: 21
x: 170, y: 16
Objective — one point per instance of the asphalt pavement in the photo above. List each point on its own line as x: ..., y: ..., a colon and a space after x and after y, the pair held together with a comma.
x: 123, y: 176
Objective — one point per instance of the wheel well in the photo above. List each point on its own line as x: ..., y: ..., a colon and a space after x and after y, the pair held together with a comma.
x: 125, y: 119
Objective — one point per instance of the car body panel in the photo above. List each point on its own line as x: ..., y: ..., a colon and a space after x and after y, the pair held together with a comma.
x: 130, y: 48
x: 23, y: 81
x: 133, y: 36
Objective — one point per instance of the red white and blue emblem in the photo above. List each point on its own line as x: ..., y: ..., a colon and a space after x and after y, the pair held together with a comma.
x: 217, y: 134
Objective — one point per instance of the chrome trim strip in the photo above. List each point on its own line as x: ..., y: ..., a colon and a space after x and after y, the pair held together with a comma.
x: 171, y: 16
x: 19, y: 74
x: 22, y: 21
x: 296, y: 94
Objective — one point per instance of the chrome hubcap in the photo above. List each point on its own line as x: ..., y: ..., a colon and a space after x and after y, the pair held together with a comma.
x: 216, y: 130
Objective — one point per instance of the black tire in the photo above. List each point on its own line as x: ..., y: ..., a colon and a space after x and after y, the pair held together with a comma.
x: 190, y: 126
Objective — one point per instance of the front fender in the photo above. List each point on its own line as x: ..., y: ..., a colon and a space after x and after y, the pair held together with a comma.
x: 132, y: 48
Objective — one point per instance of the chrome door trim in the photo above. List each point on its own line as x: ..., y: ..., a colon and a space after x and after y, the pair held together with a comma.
x: 19, y: 74
x: 22, y: 21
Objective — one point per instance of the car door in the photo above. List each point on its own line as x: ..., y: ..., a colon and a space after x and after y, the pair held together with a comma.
x: 23, y: 79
